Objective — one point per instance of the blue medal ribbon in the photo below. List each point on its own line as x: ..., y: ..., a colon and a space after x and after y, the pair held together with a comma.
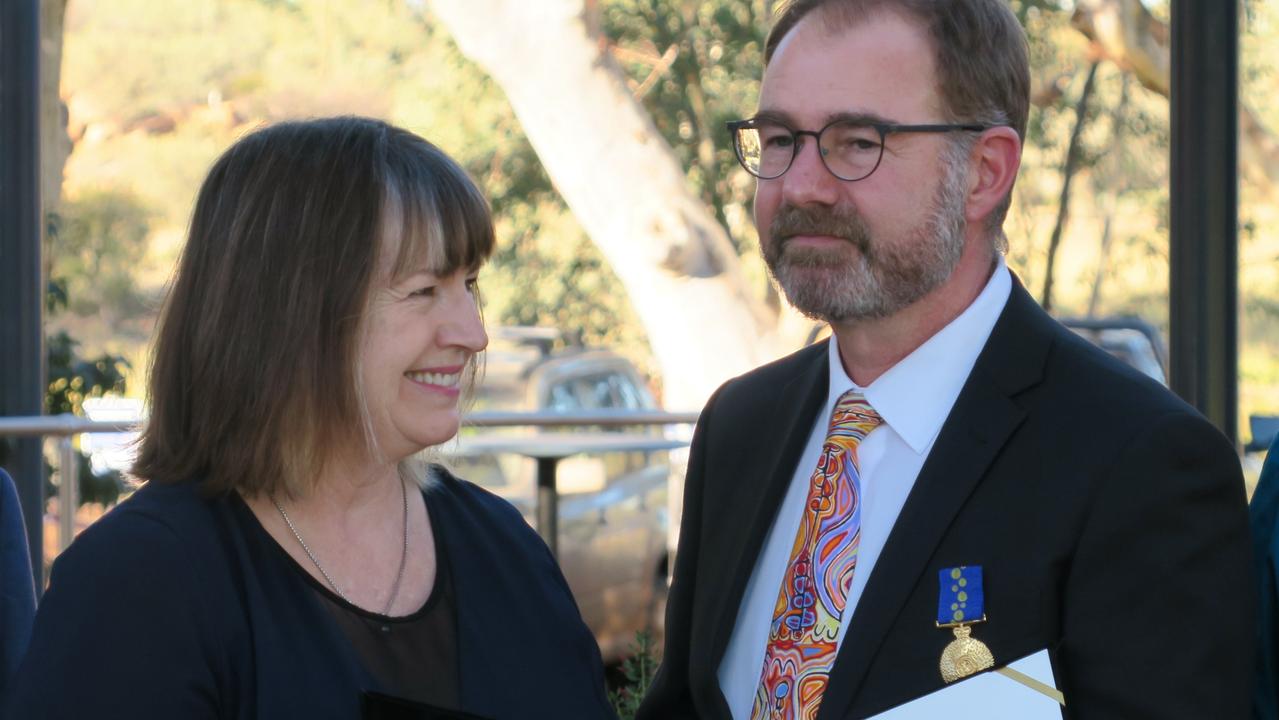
x: 961, y: 599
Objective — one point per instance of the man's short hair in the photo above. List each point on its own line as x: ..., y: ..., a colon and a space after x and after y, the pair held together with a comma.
x: 980, y: 56
x: 255, y: 369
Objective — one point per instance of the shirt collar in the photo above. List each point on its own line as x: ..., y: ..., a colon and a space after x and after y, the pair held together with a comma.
x: 915, y: 395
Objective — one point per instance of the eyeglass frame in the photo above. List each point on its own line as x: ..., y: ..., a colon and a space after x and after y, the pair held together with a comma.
x: 884, y: 129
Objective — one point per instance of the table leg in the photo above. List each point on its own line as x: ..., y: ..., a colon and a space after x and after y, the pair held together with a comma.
x: 548, y: 504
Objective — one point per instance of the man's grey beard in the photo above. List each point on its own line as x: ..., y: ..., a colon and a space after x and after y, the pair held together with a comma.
x: 868, y: 278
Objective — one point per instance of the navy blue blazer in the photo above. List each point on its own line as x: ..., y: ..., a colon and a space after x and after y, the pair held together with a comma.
x: 1264, y: 517
x: 17, y: 590
x: 175, y: 606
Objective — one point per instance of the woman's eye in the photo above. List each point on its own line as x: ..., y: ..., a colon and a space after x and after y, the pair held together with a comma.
x: 423, y: 292
x: 472, y: 284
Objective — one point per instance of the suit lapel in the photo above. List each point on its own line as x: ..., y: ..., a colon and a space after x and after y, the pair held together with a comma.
x: 978, y: 427
x: 770, y: 470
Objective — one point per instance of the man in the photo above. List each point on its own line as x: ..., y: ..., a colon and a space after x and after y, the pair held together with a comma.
x: 949, y: 426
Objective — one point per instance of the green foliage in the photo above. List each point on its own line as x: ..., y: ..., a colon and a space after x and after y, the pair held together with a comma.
x: 1259, y: 222
x: 638, y: 670
x: 692, y: 64
x: 717, y: 49
x: 575, y: 290
x: 295, y: 58
x: 95, y: 245
x: 72, y: 378
x: 105, y: 237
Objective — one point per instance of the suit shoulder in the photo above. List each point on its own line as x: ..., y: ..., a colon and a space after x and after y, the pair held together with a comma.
x: 1090, y: 397
x: 1091, y: 374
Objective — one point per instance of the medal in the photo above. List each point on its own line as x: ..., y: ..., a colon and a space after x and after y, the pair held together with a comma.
x: 961, y: 604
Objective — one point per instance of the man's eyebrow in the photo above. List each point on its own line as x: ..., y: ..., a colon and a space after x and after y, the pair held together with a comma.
x: 775, y: 116
x: 858, y: 117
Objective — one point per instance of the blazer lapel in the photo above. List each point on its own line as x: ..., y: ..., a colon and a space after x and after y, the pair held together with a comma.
x: 761, y: 494
x: 979, y: 425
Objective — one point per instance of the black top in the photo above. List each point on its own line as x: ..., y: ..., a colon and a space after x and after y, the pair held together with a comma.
x: 413, y: 656
x: 178, y: 606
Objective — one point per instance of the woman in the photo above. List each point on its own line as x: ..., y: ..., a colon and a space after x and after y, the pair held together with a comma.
x: 286, y: 558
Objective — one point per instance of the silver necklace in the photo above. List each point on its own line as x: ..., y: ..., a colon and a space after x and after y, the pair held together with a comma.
x: 404, y: 552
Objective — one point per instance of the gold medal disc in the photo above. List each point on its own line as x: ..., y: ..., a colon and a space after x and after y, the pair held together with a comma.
x: 965, y: 656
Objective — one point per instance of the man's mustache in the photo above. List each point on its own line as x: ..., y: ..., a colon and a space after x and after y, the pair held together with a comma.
x: 792, y: 220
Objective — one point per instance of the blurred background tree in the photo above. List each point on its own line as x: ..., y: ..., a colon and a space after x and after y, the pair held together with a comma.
x: 154, y: 91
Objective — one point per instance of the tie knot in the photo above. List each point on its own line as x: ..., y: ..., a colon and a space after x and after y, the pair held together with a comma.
x: 853, y: 414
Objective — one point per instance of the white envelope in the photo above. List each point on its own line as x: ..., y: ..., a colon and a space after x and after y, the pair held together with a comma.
x: 989, y: 695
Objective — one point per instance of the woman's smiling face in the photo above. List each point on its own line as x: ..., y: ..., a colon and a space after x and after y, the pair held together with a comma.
x: 421, y: 332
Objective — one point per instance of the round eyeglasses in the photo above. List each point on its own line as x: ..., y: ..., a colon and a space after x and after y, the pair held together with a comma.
x: 850, y: 149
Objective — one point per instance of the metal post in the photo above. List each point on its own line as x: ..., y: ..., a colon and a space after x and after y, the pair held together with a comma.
x: 1204, y: 214
x: 21, y: 278
x: 548, y: 503
x: 68, y: 491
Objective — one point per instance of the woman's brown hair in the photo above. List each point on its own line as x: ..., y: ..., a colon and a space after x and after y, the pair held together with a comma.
x: 253, y: 373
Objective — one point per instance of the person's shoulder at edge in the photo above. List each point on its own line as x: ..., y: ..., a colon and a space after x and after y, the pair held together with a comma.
x: 1264, y: 517
x: 135, y: 595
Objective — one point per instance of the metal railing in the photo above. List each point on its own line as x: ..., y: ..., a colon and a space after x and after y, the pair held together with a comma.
x: 66, y: 427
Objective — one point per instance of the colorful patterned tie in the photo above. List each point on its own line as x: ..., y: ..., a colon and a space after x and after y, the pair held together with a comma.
x: 802, y: 638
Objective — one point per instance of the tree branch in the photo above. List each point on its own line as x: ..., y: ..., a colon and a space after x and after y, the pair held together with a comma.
x: 1124, y: 32
x: 1067, y: 175
x: 625, y: 186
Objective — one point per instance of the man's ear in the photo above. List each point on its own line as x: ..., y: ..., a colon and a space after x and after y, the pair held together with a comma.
x: 994, y: 162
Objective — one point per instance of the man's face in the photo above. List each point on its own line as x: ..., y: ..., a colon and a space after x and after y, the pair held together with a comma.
x: 855, y: 250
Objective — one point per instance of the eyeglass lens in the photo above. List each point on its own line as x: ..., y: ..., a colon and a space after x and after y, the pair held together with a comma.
x: 850, y: 150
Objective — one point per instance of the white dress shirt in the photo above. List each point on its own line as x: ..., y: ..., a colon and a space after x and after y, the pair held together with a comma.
x: 913, y: 397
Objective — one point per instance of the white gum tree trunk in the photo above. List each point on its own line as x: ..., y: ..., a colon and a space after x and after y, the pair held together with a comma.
x: 626, y: 188
x: 1126, y: 33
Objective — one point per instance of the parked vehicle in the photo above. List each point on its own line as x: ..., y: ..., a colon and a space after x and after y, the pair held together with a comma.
x: 612, y: 510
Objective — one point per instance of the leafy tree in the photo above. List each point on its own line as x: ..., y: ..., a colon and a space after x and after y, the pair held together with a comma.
x: 169, y: 106
x: 71, y: 379
x: 694, y: 66
x: 97, y: 241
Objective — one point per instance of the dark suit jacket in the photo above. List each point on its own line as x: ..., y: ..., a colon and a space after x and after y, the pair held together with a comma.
x: 17, y: 590
x: 1109, y: 518
x: 173, y: 606
x: 1264, y: 516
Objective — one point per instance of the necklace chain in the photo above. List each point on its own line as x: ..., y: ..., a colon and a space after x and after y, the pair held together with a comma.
x: 404, y: 551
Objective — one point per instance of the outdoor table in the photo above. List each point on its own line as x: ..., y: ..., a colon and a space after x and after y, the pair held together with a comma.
x: 548, y: 449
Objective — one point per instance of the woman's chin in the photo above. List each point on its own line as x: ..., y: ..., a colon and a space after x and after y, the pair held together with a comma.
x: 434, y: 436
